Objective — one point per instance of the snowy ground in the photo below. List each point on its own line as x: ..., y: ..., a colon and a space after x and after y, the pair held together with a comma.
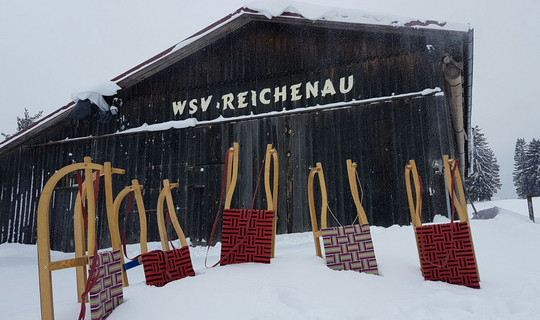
x: 298, y: 285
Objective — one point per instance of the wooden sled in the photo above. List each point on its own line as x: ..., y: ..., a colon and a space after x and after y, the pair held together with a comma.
x: 257, y: 219
x: 446, y: 250
x: 82, y: 251
x: 346, y: 247
x: 166, y: 265
x: 165, y: 197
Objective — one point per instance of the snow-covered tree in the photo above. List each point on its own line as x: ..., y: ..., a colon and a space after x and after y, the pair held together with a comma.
x: 531, y: 168
x: 483, y: 181
x: 24, y: 122
x: 519, y: 164
x: 27, y: 120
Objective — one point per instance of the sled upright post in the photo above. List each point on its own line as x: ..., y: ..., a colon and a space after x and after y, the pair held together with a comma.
x: 232, y: 174
x: 317, y: 170
x: 351, y: 173
x: 271, y: 192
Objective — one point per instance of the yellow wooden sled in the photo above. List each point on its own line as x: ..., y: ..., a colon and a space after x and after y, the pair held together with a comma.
x: 446, y: 250
x: 45, y: 265
x: 229, y: 244
x: 346, y: 247
x: 270, y: 185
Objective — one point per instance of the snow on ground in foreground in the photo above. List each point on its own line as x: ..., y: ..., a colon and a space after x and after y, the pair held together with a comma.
x: 298, y: 285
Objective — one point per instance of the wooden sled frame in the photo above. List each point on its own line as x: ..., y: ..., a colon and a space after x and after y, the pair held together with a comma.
x: 165, y: 195
x: 136, y: 188
x: 271, y: 187
x: 360, y: 212
x: 415, y: 203
x: 45, y: 265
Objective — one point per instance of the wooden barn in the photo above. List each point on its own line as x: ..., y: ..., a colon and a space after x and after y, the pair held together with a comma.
x: 376, y: 90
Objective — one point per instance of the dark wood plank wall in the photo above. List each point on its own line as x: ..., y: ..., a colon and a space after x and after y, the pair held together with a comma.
x: 380, y: 137
x: 399, y: 130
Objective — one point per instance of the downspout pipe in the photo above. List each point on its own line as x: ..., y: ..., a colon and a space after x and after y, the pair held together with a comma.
x: 453, y: 74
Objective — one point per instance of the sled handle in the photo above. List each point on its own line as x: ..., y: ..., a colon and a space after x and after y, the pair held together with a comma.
x: 166, y: 196
x: 351, y: 173
x: 271, y: 192
x: 459, y: 203
x: 232, y: 174
x: 415, y: 210
x: 317, y: 170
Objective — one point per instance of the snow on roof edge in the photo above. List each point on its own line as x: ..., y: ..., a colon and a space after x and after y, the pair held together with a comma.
x: 317, y: 12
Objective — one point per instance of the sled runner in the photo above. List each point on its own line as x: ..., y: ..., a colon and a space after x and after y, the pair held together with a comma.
x: 346, y: 247
x: 445, y: 250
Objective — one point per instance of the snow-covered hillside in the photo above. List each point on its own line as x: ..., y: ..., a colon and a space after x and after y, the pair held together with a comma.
x: 298, y: 285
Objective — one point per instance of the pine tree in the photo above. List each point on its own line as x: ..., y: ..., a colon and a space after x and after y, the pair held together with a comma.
x: 519, y: 163
x: 531, y: 168
x: 25, y: 122
x: 483, y: 181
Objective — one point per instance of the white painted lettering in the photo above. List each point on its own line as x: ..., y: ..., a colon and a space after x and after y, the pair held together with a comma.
x: 178, y: 107
x: 328, y: 88
x: 295, y: 89
x: 227, y: 101
x: 205, y: 103
x: 312, y: 90
x: 262, y: 96
x: 241, y: 97
x: 192, y: 106
x: 350, y: 84
x: 280, y: 94
x: 253, y: 98
x: 267, y: 96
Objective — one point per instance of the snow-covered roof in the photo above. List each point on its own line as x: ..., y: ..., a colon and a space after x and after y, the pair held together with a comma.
x: 261, y: 9
x: 273, y: 9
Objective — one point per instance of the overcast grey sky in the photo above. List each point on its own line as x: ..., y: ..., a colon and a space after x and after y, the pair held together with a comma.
x: 50, y: 49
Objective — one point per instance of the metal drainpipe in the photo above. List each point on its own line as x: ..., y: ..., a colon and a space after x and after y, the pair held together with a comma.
x: 453, y: 74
